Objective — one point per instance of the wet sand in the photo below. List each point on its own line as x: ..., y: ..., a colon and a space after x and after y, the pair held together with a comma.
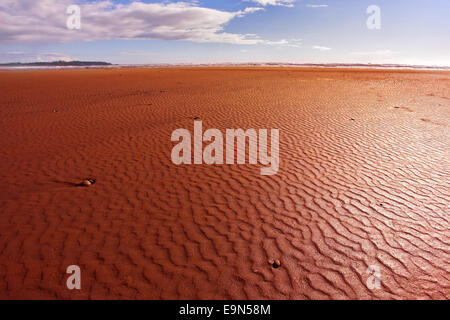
x: 363, y: 181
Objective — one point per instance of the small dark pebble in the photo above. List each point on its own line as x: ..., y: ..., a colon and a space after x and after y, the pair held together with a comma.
x: 196, y: 118
x: 352, y: 119
x: 276, y: 264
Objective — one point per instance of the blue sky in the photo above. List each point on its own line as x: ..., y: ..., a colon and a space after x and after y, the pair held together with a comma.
x: 308, y: 31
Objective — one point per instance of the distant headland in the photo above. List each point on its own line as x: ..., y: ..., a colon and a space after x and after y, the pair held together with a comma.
x: 56, y: 64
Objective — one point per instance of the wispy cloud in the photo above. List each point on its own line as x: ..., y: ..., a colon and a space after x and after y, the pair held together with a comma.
x: 283, y: 3
x: 321, y: 48
x: 45, y: 21
x: 317, y: 5
x: 294, y: 43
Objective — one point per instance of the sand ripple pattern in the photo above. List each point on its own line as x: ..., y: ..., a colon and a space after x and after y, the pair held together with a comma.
x: 363, y: 180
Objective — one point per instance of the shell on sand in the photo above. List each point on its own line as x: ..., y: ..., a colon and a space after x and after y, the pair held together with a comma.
x: 86, y: 183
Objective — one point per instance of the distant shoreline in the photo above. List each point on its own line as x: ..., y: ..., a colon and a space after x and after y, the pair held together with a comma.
x: 58, y: 65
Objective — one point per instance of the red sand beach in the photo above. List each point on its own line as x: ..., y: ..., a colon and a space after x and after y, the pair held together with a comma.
x: 363, y: 181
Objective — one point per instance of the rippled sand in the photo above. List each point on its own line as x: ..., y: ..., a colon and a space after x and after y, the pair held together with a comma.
x: 363, y: 181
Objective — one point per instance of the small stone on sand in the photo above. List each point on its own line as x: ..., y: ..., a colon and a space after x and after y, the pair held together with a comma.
x: 86, y: 183
x: 276, y: 264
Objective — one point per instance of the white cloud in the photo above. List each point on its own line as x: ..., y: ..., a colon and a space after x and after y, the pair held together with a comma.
x: 294, y: 43
x: 22, y: 56
x: 321, y: 48
x: 45, y: 21
x: 317, y: 5
x: 283, y: 3
x: 53, y: 57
